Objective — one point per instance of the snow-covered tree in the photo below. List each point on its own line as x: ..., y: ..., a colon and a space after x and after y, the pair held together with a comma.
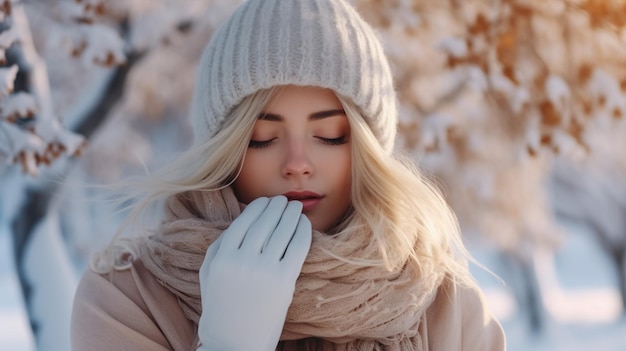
x: 32, y: 135
x: 492, y: 92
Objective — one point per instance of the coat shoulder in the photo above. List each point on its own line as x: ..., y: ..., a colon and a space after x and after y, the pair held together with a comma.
x: 460, y: 318
x: 128, y: 310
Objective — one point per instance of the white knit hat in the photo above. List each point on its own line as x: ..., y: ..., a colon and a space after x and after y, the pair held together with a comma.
x: 321, y: 43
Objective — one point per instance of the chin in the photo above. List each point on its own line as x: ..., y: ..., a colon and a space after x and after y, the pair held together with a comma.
x: 317, y: 227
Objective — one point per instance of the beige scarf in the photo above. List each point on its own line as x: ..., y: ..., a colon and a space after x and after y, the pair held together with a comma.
x: 336, y: 305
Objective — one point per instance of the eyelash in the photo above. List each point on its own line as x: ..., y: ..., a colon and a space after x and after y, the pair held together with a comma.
x: 336, y: 141
x: 259, y: 144
x: 255, y: 144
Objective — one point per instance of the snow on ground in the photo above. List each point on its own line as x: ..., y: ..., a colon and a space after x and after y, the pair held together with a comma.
x: 14, y: 329
x: 584, y: 307
x: 580, y: 296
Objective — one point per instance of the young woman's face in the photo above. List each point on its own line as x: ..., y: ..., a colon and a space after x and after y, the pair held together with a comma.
x: 300, y: 148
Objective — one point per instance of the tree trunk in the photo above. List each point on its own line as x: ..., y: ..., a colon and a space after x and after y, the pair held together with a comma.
x: 619, y: 257
x: 45, y: 271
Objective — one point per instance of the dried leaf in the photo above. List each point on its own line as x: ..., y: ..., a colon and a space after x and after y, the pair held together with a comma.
x: 480, y: 26
x: 601, y: 100
x: 584, y: 73
x: 17, y: 106
x: 15, y: 140
x: 5, y: 8
x: 29, y: 163
x: 546, y: 139
x: 617, y: 113
x: 91, y: 8
x: 506, y: 48
x: 102, y: 45
x: 7, y: 79
x: 509, y: 72
x: 549, y: 115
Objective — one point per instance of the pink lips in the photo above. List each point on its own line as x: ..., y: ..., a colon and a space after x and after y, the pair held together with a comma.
x: 309, y: 199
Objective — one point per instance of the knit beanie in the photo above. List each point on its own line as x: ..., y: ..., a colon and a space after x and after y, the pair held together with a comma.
x: 323, y: 43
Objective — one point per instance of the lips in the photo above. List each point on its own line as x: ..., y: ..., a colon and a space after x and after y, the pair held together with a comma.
x: 309, y: 199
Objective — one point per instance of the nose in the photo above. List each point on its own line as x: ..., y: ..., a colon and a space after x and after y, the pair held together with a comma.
x: 296, y: 161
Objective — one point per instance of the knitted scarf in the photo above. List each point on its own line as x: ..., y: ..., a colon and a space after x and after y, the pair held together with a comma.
x: 336, y: 306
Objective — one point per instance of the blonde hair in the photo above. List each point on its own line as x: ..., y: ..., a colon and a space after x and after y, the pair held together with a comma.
x: 206, y: 166
x: 406, y: 214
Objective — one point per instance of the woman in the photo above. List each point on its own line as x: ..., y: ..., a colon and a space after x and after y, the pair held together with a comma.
x: 289, y: 224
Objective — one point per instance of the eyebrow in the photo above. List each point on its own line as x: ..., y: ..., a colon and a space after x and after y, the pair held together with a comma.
x: 312, y: 117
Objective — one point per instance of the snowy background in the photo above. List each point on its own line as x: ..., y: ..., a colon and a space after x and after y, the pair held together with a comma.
x: 517, y: 108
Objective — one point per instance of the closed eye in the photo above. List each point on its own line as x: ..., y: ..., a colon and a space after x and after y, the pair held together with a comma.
x: 260, y: 144
x: 336, y: 141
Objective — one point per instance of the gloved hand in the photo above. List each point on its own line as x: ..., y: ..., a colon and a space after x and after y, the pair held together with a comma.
x: 248, y: 276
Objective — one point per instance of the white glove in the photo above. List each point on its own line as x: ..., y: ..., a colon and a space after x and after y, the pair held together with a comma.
x: 248, y: 276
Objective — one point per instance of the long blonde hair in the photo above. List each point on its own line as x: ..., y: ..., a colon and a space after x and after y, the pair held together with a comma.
x: 406, y: 214
x: 206, y: 166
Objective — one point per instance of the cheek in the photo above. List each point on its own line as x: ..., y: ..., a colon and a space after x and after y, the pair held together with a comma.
x: 344, y: 167
x: 248, y: 185
x: 346, y: 176
x: 339, y: 169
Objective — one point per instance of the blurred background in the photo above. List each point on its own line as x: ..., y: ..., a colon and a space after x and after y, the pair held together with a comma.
x: 516, y: 107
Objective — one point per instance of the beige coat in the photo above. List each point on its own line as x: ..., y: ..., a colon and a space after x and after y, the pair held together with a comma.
x: 130, y: 310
